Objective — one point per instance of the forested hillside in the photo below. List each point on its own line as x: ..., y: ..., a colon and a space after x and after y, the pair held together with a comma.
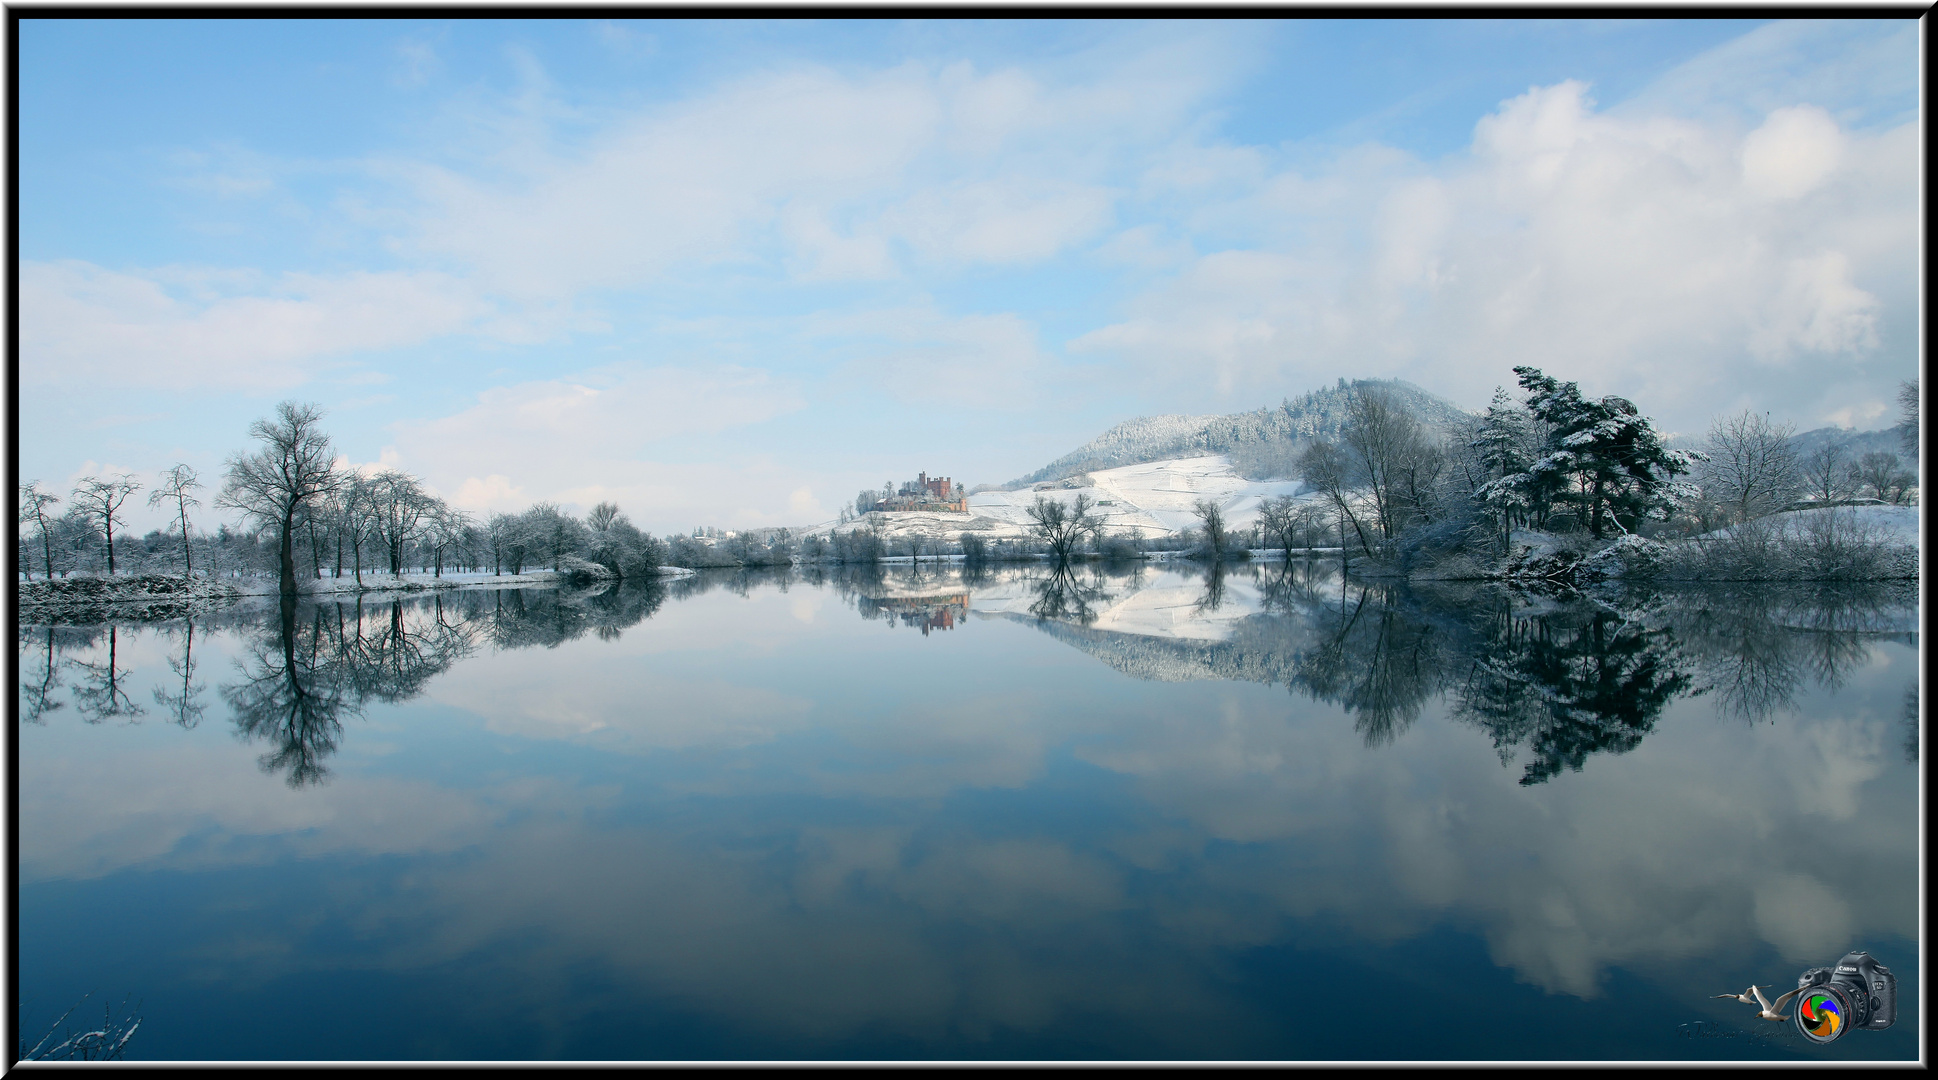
x: 1262, y: 444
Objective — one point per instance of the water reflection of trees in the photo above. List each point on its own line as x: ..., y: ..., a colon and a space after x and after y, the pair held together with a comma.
x: 321, y: 664
x: 185, y: 706
x: 99, y: 692
x: 1568, y: 683
x: 1070, y: 594
x: 1377, y: 660
x: 325, y: 662
x: 1755, y: 650
x: 293, y: 694
x: 741, y: 581
x: 1295, y: 585
x: 40, y: 675
x: 1551, y: 680
x: 311, y: 666
x: 548, y: 618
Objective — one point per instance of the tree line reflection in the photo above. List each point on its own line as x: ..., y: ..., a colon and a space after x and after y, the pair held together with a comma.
x: 1555, y: 680
x: 311, y: 666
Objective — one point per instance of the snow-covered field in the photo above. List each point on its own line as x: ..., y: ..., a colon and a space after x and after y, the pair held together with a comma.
x: 1152, y: 499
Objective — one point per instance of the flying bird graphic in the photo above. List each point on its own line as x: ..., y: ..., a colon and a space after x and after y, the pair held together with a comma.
x: 1768, y: 1009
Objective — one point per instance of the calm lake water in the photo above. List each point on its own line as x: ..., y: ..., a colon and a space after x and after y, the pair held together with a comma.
x: 1129, y: 814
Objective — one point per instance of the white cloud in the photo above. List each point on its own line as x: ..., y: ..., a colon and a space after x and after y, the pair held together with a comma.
x: 1146, y: 247
x: 1802, y: 917
x: 816, y: 174
x: 694, y: 183
x: 142, y: 815
x: 1816, y: 308
x: 82, y: 324
x: 963, y: 166
x: 921, y: 356
x: 594, y: 435
x: 822, y: 253
x: 999, y: 221
x: 1653, y: 256
x: 1851, y: 415
x: 1792, y: 153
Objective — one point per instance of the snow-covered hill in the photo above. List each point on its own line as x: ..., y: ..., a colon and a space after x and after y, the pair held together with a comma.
x: 1260, y: 444
x: 1855, y: 443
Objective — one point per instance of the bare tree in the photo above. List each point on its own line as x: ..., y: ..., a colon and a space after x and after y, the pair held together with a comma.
x: 502, y: 534
x: 102, y: 499
x: 334, y: 508
x: 399, y: 508
x: 1826, y: 473
x: 274, y: 484
x: 1328, y: 472
x: 314, y: 514
x: 357, y: 520
x: 1751, y: 468
x: 552, y: 530
x: 1386, y: 448
x: 1062, y: 525
x: 176, y: 484
x: 33, y: 507
x: 446, y: 532
x: 1880, y: 471
x: 1212, y: 517
x: 1279, y: 518
x: 602, y: 516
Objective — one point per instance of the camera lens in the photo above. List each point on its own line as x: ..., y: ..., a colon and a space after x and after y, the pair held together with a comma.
x: 1823, y: 1013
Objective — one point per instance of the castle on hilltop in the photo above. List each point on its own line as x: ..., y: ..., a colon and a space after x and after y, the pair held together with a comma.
x: 925, y: 492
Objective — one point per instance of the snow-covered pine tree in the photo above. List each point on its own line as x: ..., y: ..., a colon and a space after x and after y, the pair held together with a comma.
x: 1504, y: 445
x: 1602, y: 455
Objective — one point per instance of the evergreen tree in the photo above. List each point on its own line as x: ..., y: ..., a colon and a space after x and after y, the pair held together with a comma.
x: 1503, y: 444
x: 1601, y: 455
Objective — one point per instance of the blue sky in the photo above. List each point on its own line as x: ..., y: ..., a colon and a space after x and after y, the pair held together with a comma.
x: 729, y: 272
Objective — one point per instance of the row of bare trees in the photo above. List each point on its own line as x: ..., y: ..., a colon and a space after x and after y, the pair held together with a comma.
x: 314, y: 515
x: 1752, y: 468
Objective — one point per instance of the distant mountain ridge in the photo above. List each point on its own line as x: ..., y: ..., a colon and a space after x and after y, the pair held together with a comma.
x: 1856, y: 443
x: 1262, y: 444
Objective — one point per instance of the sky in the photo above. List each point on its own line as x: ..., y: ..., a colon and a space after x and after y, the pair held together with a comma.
x: 728, y: 273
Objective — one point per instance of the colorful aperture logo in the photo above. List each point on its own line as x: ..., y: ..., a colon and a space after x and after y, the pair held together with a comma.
x: 1821, y: 1016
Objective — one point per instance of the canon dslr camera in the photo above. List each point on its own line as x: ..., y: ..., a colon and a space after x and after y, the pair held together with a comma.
x: 1857, y: 993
